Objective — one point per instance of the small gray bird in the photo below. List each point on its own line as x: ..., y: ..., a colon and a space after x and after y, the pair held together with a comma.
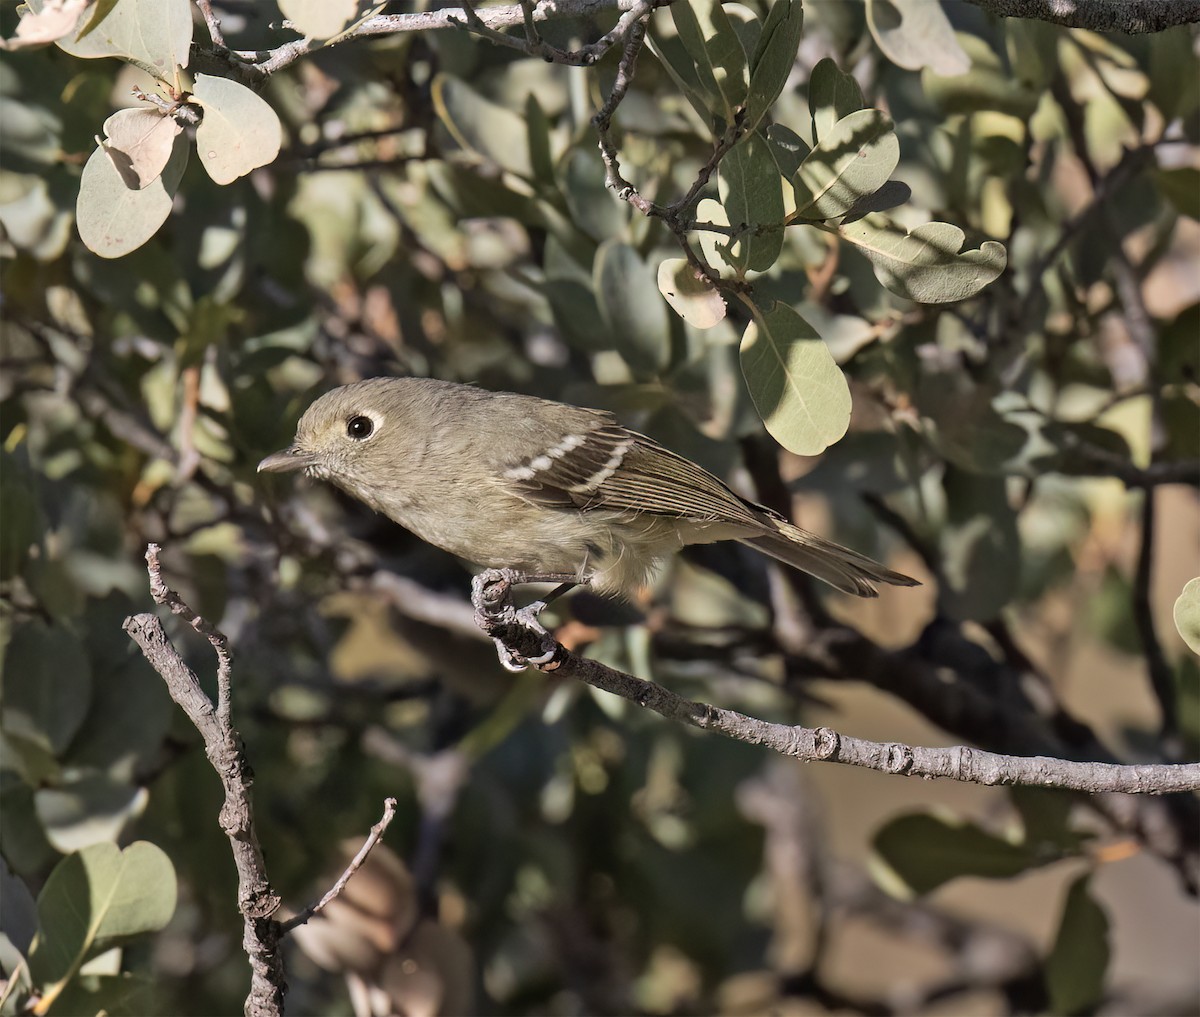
x: 512, y: 481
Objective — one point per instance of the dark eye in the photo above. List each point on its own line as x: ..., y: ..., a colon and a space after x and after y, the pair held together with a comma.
x: 360, y: 427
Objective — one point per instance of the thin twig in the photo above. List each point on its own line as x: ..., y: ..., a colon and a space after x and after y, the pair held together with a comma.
x: 223, y: 745
x: 494, y: 609
x: 213, y: 23
x: 373, y: 838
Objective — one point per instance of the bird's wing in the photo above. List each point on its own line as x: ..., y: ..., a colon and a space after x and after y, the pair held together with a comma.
x: 613, y: 468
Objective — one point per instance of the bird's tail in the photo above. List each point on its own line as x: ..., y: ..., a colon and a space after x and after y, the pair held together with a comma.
x: 842, y: 568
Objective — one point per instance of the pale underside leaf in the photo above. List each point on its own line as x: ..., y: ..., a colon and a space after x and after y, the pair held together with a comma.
x: 916, y: 33
x: 319, y: 19
x: 139, y: 142
x: 1187, y: 614
x: 239, y: 132
x: 932, y: 264
x: 797, y: 388
x: 55, y: 19
x: 692, y: 296
x: 155, y: 34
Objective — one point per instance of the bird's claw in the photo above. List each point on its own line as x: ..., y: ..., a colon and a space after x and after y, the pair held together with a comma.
x: 527, y: 617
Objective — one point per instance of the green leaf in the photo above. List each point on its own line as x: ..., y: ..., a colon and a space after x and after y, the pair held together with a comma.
x: 710, y: 40
x: 788, y: 148
x: 853, y: 159
x: 918, y: 852
x: 119, y: 995
x: 751, y: 192
x: 692, y: 296
x: 1077, y: 966
x: 773, y: 58
x: 631, y: 307
x: 47, y: 685
x: 154, y: 34
x: 915, y: 34
x: 541, y: 158
x: 932, y: 264
x: 319, y: 19
x: 1187, y: 614
x: 94, y: 900
x: 677, y: 62
x: 798, y: 390
x: 492, y: 131
x: 981, y: 551
x: 1181, y: 187
x: 114, y: 219
x: 832, y: 96
x: 239, y: 132
x: 988, y: 85
x: 90, y: 810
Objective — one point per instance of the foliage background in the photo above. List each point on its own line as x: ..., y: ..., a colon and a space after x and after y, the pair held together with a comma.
x: 595, y: 859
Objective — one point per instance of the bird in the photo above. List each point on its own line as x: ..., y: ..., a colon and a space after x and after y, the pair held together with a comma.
x: 540, y: 487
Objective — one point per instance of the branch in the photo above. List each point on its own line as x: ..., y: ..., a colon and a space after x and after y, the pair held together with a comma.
x: 488, y: 21
x: 373, y: 838
x: 493, y: 604
x: 257, y: 901
x: 1134, y: 17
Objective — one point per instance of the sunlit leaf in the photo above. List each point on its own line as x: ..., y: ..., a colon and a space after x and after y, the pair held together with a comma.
x: 91, y: 810
x: 797, y: 388
x: 933, y: 264
x: 96, y: 899
x: 53, y: 20
x: 139, y: 142
x: 712, y: 43
x: 832, y: 96
x: 915, y: 34
x: 773, y: 57
x: 319, y: 19
x: 154, y: 34
x: 853, y: 159
x: 115, y: 219
x: 1187, y: 614
x: 239, y: 132
x: 693, y: 297
x: 751, y: 191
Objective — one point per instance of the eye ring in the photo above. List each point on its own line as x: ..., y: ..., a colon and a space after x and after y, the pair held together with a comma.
x: 360, y: 427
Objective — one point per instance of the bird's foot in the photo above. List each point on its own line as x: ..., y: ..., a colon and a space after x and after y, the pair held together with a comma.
x: 491, y: 594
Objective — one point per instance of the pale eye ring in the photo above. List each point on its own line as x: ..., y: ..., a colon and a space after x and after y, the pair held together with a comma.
x: 360, y: 428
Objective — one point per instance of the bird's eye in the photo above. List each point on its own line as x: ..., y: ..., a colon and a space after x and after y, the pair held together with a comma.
x: 359, y: 428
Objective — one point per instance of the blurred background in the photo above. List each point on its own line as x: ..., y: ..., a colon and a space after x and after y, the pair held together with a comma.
x: 1030, y: 455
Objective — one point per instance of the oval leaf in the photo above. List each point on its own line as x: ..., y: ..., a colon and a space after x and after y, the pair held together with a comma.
x: 797, y: 388
x: 47, y: 685
x: 691, y: 295
x: 114, y: 219
x: 751, y: 191
x: 710, y: 40
x: 49, y: 22
x: 832, y: 96
x: 493, y: 131
x: 773, y: 58
x: 854, y: 159
x: 154, y: 34
x: 931, y: 264
x: 140, y: 141
x: 1187, y: 614
x: 239, y: 132
x: 319, y: 19
x: 915, y: 34
x: 631, y: 307
x: 1077, y: 966
x: 95, y: 899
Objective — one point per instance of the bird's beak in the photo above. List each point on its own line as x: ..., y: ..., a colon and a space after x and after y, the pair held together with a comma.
x: 287, y: 460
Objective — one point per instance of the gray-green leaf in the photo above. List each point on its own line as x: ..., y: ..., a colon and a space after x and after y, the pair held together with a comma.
x: 631, y: 307
x: 94, y: 900
x: 239, y: 132
x: 853, y: 159
x: 479, y: 125
x: 154, y: 34
x: 915, y: 34
x: 751, y: 191
x: 932, y: 264
x: 1187, y: 614
x: 1078, y: 963
x: 114, y: 219
x: 832, y: 96
x: 710, y: 40
x: 797, y: 388
x: 773, y: 57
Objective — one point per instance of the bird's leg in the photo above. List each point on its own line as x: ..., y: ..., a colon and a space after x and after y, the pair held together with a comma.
x: 491, y: 594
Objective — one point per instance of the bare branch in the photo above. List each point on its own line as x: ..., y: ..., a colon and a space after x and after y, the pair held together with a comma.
x: 257, y: 901
x: 373, y: 838
x: 1133, y: 17
x: 493, y: 605
x: 213, y: 23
